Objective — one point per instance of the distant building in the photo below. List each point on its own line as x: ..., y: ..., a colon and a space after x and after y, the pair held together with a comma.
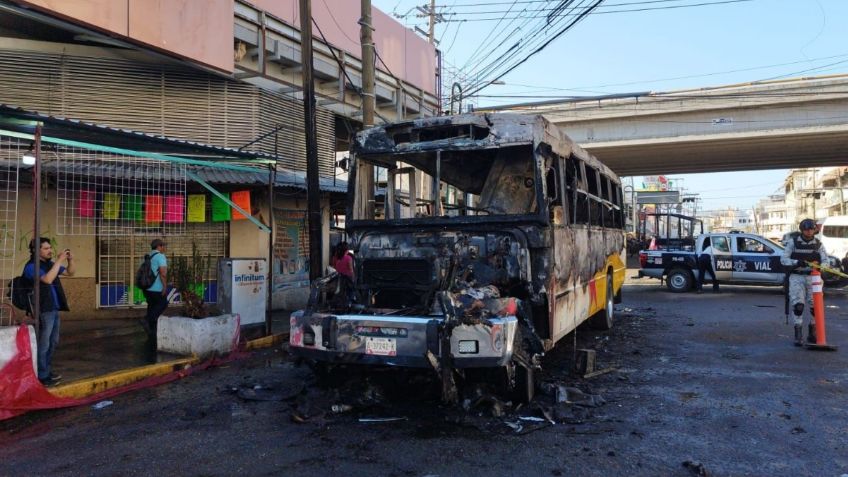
x: 832, y: 181
x: 732, y: 219
x: 772, y: 217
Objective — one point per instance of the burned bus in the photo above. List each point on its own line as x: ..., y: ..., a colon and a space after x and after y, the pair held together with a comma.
x: 480, y: 241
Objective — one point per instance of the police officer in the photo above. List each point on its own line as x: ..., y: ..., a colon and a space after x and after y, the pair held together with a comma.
x: 800, y: 249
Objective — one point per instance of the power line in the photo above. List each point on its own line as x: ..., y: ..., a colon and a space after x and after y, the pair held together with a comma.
x: 508, y: 61
x: 670, y: 7
x: 553, y: 9
x: 700, y: 75
x: 508, y: 68
x: 486, y: 39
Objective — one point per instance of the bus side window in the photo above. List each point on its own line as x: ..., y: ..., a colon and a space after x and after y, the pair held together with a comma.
x: 581, y: 202
x: 609, y: 203
x: 596, y: 208
x: 553, y: 191
x: 552, y: 188
x: 619, y: 201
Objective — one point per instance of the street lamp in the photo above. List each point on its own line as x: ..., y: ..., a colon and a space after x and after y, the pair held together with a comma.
x: 456, y: 95
x: 632, y: 206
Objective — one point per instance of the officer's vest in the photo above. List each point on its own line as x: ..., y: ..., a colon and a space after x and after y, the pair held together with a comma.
x: 806, y: 251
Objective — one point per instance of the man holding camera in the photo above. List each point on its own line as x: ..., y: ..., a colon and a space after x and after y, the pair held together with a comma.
x: 51, y: 301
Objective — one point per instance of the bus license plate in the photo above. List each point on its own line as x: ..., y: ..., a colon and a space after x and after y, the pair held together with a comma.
x: 381, y: 346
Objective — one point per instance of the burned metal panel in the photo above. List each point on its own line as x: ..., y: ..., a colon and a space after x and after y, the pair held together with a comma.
x: 446, y: 132
x: 452, y: 259
x: 510, y: 187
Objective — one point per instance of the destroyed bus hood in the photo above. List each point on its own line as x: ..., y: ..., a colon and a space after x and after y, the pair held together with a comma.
x: 406, y: 269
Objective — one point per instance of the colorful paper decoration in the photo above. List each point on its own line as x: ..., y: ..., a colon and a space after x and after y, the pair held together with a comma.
x: 132, y: 209
x: 242, y: 199
x: 153, y: 208
x: 221, y: 211
x: 174, y: 209
x: 111, y: 206
x: 197, y: 208
x: 85, y: 206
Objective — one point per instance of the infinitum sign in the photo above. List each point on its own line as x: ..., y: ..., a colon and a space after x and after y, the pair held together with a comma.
x: 243, y: 288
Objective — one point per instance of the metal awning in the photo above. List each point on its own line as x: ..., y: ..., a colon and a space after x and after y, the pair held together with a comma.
x: 20, y: 120
x: 213, y: 176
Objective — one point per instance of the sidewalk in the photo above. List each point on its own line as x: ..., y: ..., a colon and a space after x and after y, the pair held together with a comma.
x: 89, y: 348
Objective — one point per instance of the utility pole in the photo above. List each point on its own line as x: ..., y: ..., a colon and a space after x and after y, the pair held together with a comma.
x: 313, y: 192
x: 368, y: 64
x: 431, y: 33
x: 36, y: 228
x: 433, y: 18
x: 365, y: 172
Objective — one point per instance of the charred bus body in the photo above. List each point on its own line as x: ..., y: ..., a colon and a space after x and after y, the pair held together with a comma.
x: 479, y: 240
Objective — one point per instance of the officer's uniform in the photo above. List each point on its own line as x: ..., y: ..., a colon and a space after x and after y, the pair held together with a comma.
x: 797, y: 252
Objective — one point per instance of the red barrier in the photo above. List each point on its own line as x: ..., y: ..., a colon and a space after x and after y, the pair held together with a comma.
x: 21, y: 391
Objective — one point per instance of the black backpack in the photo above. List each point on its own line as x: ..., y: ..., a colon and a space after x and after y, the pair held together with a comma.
x: 20, y: 292
x: 145, y: 277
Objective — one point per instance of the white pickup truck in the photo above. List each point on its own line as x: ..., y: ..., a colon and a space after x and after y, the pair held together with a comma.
x: 738, y: 258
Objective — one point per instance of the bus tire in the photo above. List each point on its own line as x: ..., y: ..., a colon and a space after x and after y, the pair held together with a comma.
x: 603, y: 319
x: 679, y: 280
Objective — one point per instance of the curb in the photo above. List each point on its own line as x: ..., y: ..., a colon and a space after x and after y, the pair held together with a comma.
x: 266, y: 342
x: 98, y: 384
x: 89, y: 386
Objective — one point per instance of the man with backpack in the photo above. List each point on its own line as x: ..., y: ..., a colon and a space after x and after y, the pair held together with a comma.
x: 51, y: 301
x: 157, y: 293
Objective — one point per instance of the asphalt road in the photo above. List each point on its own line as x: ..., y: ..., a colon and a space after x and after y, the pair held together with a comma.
x: 702, y: 385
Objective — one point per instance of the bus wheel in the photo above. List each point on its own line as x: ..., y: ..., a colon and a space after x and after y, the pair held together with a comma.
x: 679, y: 280
x: 603, y: 319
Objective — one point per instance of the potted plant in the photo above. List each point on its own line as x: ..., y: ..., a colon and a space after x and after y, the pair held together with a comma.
x: 187, y: 277
x: 194, y: 333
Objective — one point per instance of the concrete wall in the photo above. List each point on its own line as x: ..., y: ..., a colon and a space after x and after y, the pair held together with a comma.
x: 295, y: 297
x: 200, y: 31
x: 407, y: 55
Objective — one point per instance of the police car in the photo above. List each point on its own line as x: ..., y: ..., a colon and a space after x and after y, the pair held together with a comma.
x: 738, y: 258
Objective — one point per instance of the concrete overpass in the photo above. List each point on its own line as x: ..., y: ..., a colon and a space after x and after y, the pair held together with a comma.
x: 763, y: 125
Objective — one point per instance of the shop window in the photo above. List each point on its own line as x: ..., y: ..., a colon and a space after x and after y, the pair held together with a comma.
x: 119, y: 257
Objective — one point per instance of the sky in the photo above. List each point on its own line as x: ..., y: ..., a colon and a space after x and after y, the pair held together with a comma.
x: 617, y: 49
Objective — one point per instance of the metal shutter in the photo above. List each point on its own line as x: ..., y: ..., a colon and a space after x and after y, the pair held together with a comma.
x: 166, y: 100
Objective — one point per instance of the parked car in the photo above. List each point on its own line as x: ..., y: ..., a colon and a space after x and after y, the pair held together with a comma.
x: 738, y: 258
x: 834, y: 235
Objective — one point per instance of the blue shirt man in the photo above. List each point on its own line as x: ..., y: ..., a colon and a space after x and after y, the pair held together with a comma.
x: 158, y: 262
x: 157, y: 295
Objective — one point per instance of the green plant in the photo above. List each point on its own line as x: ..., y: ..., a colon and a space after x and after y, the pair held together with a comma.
x: 187, y: 277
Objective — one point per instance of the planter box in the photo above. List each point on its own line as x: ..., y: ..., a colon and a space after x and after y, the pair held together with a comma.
x: 201, y: 337
x: 9, y: 345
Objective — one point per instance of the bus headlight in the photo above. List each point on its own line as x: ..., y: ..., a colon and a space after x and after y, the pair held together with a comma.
x: 468, y: 347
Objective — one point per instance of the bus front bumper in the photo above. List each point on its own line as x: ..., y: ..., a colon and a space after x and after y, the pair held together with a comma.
x: 409, y: 341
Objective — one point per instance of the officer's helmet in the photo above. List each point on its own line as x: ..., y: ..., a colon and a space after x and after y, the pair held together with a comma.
x: 807, y: 224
